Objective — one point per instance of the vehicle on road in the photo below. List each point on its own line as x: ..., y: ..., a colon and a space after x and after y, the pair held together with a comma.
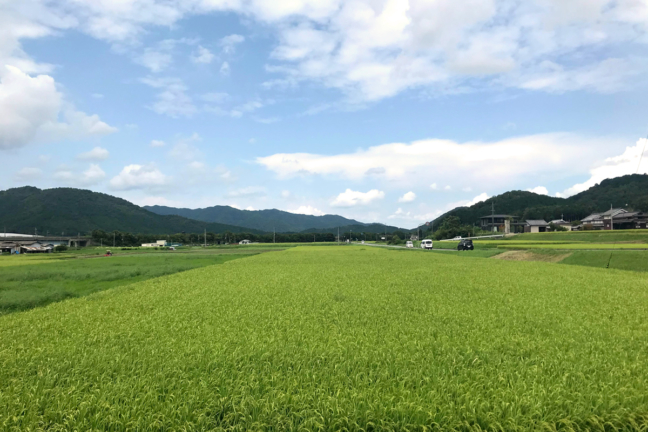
x: 465, y: 245
x: 427, y: 244
x: 409, y: 244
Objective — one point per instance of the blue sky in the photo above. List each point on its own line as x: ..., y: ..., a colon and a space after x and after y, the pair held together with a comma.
x: 392, y: 111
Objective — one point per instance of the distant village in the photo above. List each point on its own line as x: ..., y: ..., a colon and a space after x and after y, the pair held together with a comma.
x: 612, y: 219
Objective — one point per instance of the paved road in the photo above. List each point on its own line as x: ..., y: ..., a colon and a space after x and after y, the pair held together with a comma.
x: 398, y: 247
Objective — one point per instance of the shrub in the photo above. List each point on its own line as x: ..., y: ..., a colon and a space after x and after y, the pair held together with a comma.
x: 60, y: 248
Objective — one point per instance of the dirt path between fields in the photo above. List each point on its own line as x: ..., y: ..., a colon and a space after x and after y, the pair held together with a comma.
x: 525, y: 255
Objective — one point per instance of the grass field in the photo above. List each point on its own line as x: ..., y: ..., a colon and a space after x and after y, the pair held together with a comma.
x: 350, y: 338
x: 30, y: 281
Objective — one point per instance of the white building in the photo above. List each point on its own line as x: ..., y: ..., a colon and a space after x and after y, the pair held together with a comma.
x: 159, y: 243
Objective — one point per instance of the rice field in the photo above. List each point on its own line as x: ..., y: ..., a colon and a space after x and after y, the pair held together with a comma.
x: 36, y: 280
x: 328, y: 338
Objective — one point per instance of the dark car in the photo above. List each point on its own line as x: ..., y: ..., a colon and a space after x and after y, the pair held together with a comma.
x: 465, y: 245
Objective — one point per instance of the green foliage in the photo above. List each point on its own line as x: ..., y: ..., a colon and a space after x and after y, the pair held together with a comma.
x: 451, y: 227
x: 331, y: 339
x: 60, y: 248
x: 554, y: 227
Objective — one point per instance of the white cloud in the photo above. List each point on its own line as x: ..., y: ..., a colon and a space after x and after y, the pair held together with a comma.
x: 479, y: 198
x: 92, y: 176
x: 30, y: 108
x: 96, y: 154
x: 157, y: 143
x: 185, y: 149
x: 540, y: 190
x: 250, y: 208
x: 466, y: 189
x: 229, y: 43
x: 500, y: 163
x: 408, y: 197
x: 448, y: 187
x: 250, y: 191
x: 172, y: 100
x: 434, y: 186
x: 350, y: 198
x: 225, y: 69
x: 97, y: 95
x: 409, y: 216
x: 626, y: 163
x: 28, y: 174
x: 139, y: 177
x: 307, y: 210
x: 372, y: 50
x: 202, y: 56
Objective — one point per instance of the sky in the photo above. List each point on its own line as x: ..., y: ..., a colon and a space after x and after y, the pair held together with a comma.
x: 391, y: 111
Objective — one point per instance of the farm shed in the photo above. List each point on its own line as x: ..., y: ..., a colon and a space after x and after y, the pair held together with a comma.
x: 536, y: 226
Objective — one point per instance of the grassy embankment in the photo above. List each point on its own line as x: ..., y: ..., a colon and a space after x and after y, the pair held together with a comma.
x: 330, y: 339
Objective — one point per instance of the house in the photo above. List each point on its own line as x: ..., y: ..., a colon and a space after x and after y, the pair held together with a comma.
x: 630, y: 220
x: 562, y: 223
x: 610, y: 216
x: 535, y: 226
x: 498, y: 223
x: 159, y: 243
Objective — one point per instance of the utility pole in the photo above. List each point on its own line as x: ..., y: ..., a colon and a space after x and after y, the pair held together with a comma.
x: 611, y: 218
x: 114, y: 238
x: 274, y: 235
x: 493, y: 216
x: 338, y: 236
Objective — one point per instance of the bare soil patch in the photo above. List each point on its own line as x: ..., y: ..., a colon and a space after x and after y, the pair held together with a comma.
x: 523, y: 255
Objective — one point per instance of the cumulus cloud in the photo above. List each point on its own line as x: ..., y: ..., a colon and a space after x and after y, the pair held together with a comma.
x: 350, y: 198
x: 139, y: 177
x: 229, y: 43
x: 28, y: 174
x: 96, y: 154
x: 540, y: 190
x: 157, y: 143
x: 31, y: 108
x: 92, y: 176
x: 307, y: 210
x: 202, y: 56
x: 501, y: 163
x: 626, y: 163
x: 172, y: 98
x: 479, y: 198
x: 408, y: 197
x: 250, y: 191
x: 372, y: 50
x: 225, y: 69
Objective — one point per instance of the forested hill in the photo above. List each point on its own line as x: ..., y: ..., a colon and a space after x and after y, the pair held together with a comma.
x: 264, y: 220
x: 72, y: 211
x: 630, y: 190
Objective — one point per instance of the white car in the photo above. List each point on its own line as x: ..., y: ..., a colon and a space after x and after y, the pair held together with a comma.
x: 409, y: 244
x: 426, y: 244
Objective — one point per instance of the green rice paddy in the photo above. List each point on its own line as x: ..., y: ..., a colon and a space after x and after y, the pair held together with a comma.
x: 327, y: 338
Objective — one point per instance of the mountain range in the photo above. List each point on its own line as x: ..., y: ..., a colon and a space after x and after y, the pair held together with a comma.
x: 71, y: 211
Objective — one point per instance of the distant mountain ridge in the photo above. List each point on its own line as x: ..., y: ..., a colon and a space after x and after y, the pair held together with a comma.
x: 67, y: 210
x: 71, y: 211
x: 269, y: 220
x: 630, y: 191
